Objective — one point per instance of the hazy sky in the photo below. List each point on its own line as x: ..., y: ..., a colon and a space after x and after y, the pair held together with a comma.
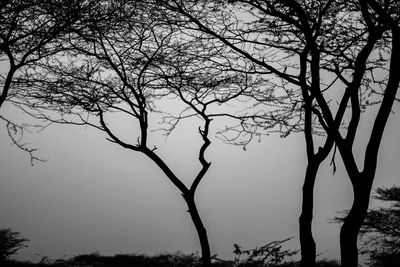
x: 92, y: 195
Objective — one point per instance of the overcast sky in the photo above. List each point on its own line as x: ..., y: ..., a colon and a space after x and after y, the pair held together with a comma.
x: 92, y: 195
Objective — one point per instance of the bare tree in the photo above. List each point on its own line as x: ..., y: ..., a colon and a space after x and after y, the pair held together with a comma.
x: 382, y: 21
x: 28, y: 34
x: 124, y: 65
x: 318, y: 47
x: 267, y: 38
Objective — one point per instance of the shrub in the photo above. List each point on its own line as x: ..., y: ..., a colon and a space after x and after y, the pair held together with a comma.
x: 10, y: 243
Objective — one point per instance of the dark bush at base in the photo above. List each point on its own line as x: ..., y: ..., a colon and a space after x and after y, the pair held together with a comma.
x: 133, y: 260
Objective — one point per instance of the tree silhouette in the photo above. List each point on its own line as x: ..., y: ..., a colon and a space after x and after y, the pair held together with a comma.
x: 28, y: 34
x: 328, y: 59
x: 125, y: 60
x: 318, y: 47
x: 10, y: 243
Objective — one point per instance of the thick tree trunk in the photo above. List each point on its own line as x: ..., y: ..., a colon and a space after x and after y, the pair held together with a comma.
x: 307, y: 243
x: 201, y: 231
x: 352, y: 224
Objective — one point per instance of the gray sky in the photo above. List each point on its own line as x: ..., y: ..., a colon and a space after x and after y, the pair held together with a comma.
x: 93, y: 195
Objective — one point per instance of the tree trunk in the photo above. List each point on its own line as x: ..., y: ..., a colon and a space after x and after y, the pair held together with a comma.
x: 307, y: 243
x: 7, y: 85
x: 201, y: 231
x: 352, y: 224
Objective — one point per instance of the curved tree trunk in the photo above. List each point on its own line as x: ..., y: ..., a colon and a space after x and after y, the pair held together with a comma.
x: 352, y: 225
x: 307, y: 243
x: 188, y: 196
x: 201, y: 230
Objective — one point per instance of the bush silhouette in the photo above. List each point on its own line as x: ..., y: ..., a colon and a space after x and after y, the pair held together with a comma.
x: 10, y: 243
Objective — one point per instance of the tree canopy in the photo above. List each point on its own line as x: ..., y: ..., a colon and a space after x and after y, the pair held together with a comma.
x: 269, y: 66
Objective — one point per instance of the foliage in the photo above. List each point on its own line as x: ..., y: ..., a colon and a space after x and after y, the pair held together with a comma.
x: 10, y: 243
x: 380, y: 230
x: 380, y: 235
x: 94, y: 259
x: 270, y: 254
x: 161, y: 260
